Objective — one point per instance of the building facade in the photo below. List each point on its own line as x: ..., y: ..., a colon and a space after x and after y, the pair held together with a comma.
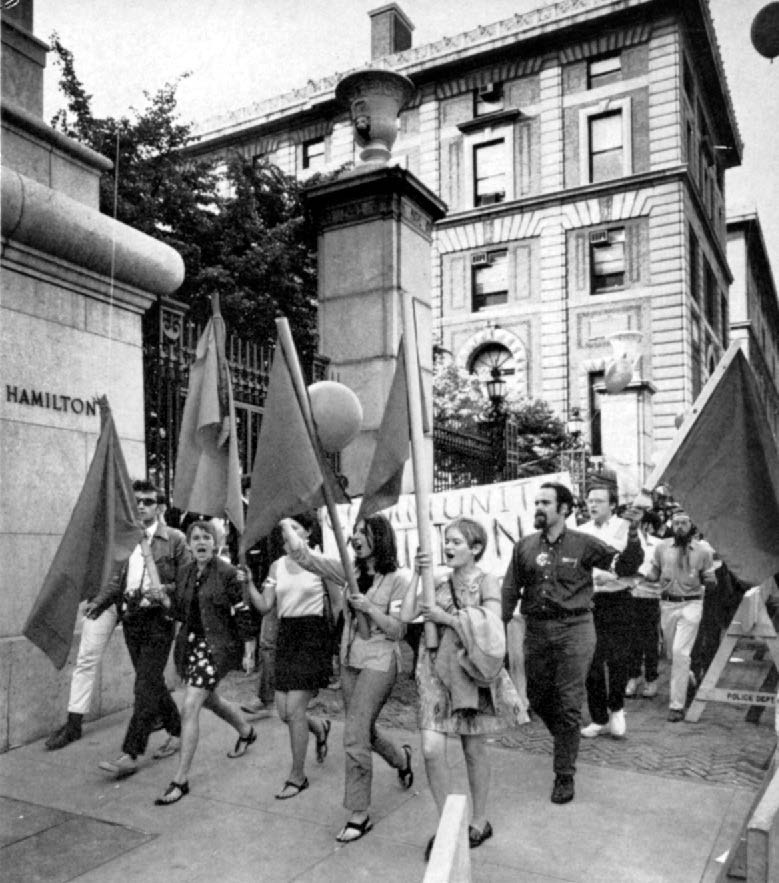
x: 754, y: 308
x: 581, y: 150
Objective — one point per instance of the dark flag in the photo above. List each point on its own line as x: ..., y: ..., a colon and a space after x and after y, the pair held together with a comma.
x: 287, y: 477
x: 725, y: 471
x: 385, y: 475
x: 208, y: 471
x: 102, y: 532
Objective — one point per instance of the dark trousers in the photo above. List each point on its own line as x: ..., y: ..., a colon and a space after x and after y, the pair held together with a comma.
x: 645, y: 640
x: 149, y: 647
x: 610, y: 669
x: 557, y: 656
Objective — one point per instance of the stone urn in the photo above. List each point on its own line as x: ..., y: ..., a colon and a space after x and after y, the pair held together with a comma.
x: 375, y: 98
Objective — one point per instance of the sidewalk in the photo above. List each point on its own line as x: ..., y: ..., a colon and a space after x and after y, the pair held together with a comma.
x: 62, y: 819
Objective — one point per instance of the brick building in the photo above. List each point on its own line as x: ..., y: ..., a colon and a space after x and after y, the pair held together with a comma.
x: 581, y: 149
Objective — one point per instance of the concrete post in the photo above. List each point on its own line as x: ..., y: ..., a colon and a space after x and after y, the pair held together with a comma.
x: 375, y: 231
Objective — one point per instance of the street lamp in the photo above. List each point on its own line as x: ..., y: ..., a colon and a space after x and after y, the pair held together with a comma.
x: 496, y: 392
x: 575, y: 458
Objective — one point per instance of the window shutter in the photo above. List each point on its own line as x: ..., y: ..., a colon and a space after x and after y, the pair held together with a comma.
x: 522, y: 159
x: 579, y: 264
x: 457, y: 285
x: 633, y: 254
x: 451, y: 173
x: 520, y: 272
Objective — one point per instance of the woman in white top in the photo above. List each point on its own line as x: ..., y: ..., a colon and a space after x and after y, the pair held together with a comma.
x: 303, y: 650
x: 369, y: 661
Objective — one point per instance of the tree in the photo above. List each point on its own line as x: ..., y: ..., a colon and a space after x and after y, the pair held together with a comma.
x: 256, y: 248
x: 460, y: 403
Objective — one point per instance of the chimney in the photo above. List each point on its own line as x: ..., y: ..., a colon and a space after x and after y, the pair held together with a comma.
x: 390, y: 30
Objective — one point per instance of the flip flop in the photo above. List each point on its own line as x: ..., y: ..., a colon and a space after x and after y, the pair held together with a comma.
x: 361, y: 829
x: 296, y: 789
x: 173, y: 793
x: 243, y: 743
x: 321, y: 742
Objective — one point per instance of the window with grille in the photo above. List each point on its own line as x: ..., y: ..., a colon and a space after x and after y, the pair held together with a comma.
x: 489, y: 172
x: 607, y: 260
x: 490, y: 281
x: 601, y: 71
x: 606, y: 146
x: 314, y: 154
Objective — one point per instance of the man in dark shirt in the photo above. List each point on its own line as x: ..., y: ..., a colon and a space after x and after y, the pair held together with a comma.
x: 552, y: 573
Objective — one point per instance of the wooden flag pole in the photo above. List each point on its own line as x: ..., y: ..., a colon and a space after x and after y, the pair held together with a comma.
x: 419, y: 462
x: 644, y: 498
x: 299, y: 384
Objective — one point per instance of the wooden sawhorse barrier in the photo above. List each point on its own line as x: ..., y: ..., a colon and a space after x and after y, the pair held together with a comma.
x: 751, y: 621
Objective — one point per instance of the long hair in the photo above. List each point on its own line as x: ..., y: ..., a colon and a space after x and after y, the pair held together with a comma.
x: 383, y: 543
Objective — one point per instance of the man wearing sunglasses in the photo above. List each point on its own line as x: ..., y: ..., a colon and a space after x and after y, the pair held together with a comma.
x: 169, y: 551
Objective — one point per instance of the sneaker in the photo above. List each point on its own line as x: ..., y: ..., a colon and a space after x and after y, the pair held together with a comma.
x: 593, y: 730
x: 675, y: 715
x: 650, y: 690
x: 617, y: 725
x: 62, y: 737
x: 124, y: 765
x: 631, y: 688
x: 563, y: 789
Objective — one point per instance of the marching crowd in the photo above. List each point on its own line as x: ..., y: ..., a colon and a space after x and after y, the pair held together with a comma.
x: 596, y: 603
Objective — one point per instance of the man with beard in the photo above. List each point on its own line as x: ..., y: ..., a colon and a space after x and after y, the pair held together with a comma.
x: 552, y: 572
x: 684, y: 567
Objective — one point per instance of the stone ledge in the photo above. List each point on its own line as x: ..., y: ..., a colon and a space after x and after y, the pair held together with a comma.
x: 38, y: 217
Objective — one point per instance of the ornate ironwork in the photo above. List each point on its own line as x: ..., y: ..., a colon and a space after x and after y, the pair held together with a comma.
x: 169, y: 345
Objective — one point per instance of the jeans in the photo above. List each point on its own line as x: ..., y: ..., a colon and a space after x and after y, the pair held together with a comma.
x: 557, y: 656
x: 613, y: 618
x: 679, y: 621
x: 365, y: 692
x: 644, y: 649
x: 149, y: 647
x: 95, y: 635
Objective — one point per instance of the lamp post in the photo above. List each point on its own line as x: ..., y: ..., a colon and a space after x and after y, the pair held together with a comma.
x: 496, y: 392
x: 576, y: 455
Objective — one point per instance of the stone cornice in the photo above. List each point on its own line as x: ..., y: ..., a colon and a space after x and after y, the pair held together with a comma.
x: 35, y: 216
x: 14, y: 115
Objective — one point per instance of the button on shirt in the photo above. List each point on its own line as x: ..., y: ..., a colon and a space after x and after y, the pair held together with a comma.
x: 682, y: 570
x: 555, y: 577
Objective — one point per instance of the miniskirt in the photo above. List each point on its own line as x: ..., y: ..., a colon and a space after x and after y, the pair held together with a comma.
x: 304, y: 659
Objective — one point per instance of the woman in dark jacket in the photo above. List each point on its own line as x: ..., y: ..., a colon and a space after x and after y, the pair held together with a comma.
x: 209, y: 644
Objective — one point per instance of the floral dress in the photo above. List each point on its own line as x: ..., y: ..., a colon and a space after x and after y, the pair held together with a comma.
x: 500, y: 708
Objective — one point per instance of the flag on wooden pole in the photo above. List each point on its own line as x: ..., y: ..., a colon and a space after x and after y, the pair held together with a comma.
x: 207, y: 479
x: 723, y: 467
x: 288, y: 476
x: 385, y: 475
x: 102, y: 532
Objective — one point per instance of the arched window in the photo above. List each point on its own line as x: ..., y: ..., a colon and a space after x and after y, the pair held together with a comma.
x: 489, y: 357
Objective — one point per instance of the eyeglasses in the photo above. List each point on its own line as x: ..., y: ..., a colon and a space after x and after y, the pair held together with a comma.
x: 146, y: 501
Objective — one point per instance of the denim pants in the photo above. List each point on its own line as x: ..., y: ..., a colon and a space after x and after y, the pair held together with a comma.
x: 149, y: 649
x: 610, y: 669
x: 365, y: 692
x: 557, y: 657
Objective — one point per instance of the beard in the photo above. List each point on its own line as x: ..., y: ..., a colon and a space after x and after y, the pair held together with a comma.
x: 682, y: 539
x: 539, y: 519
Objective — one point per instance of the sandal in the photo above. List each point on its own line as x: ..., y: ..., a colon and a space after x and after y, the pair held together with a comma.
x: 321, y: 742
x: 406, y: 775
x: 173, y: 793
x: 360, y: 829
x: 296, y: 789
x: 243, y: 743
x: 477, y: 837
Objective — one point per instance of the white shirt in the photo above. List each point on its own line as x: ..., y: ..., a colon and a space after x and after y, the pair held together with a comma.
x: 137, y: 574
x: 613, y: 532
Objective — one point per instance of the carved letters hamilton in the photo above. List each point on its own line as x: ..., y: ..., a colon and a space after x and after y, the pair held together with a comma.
x: 54, y: 401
